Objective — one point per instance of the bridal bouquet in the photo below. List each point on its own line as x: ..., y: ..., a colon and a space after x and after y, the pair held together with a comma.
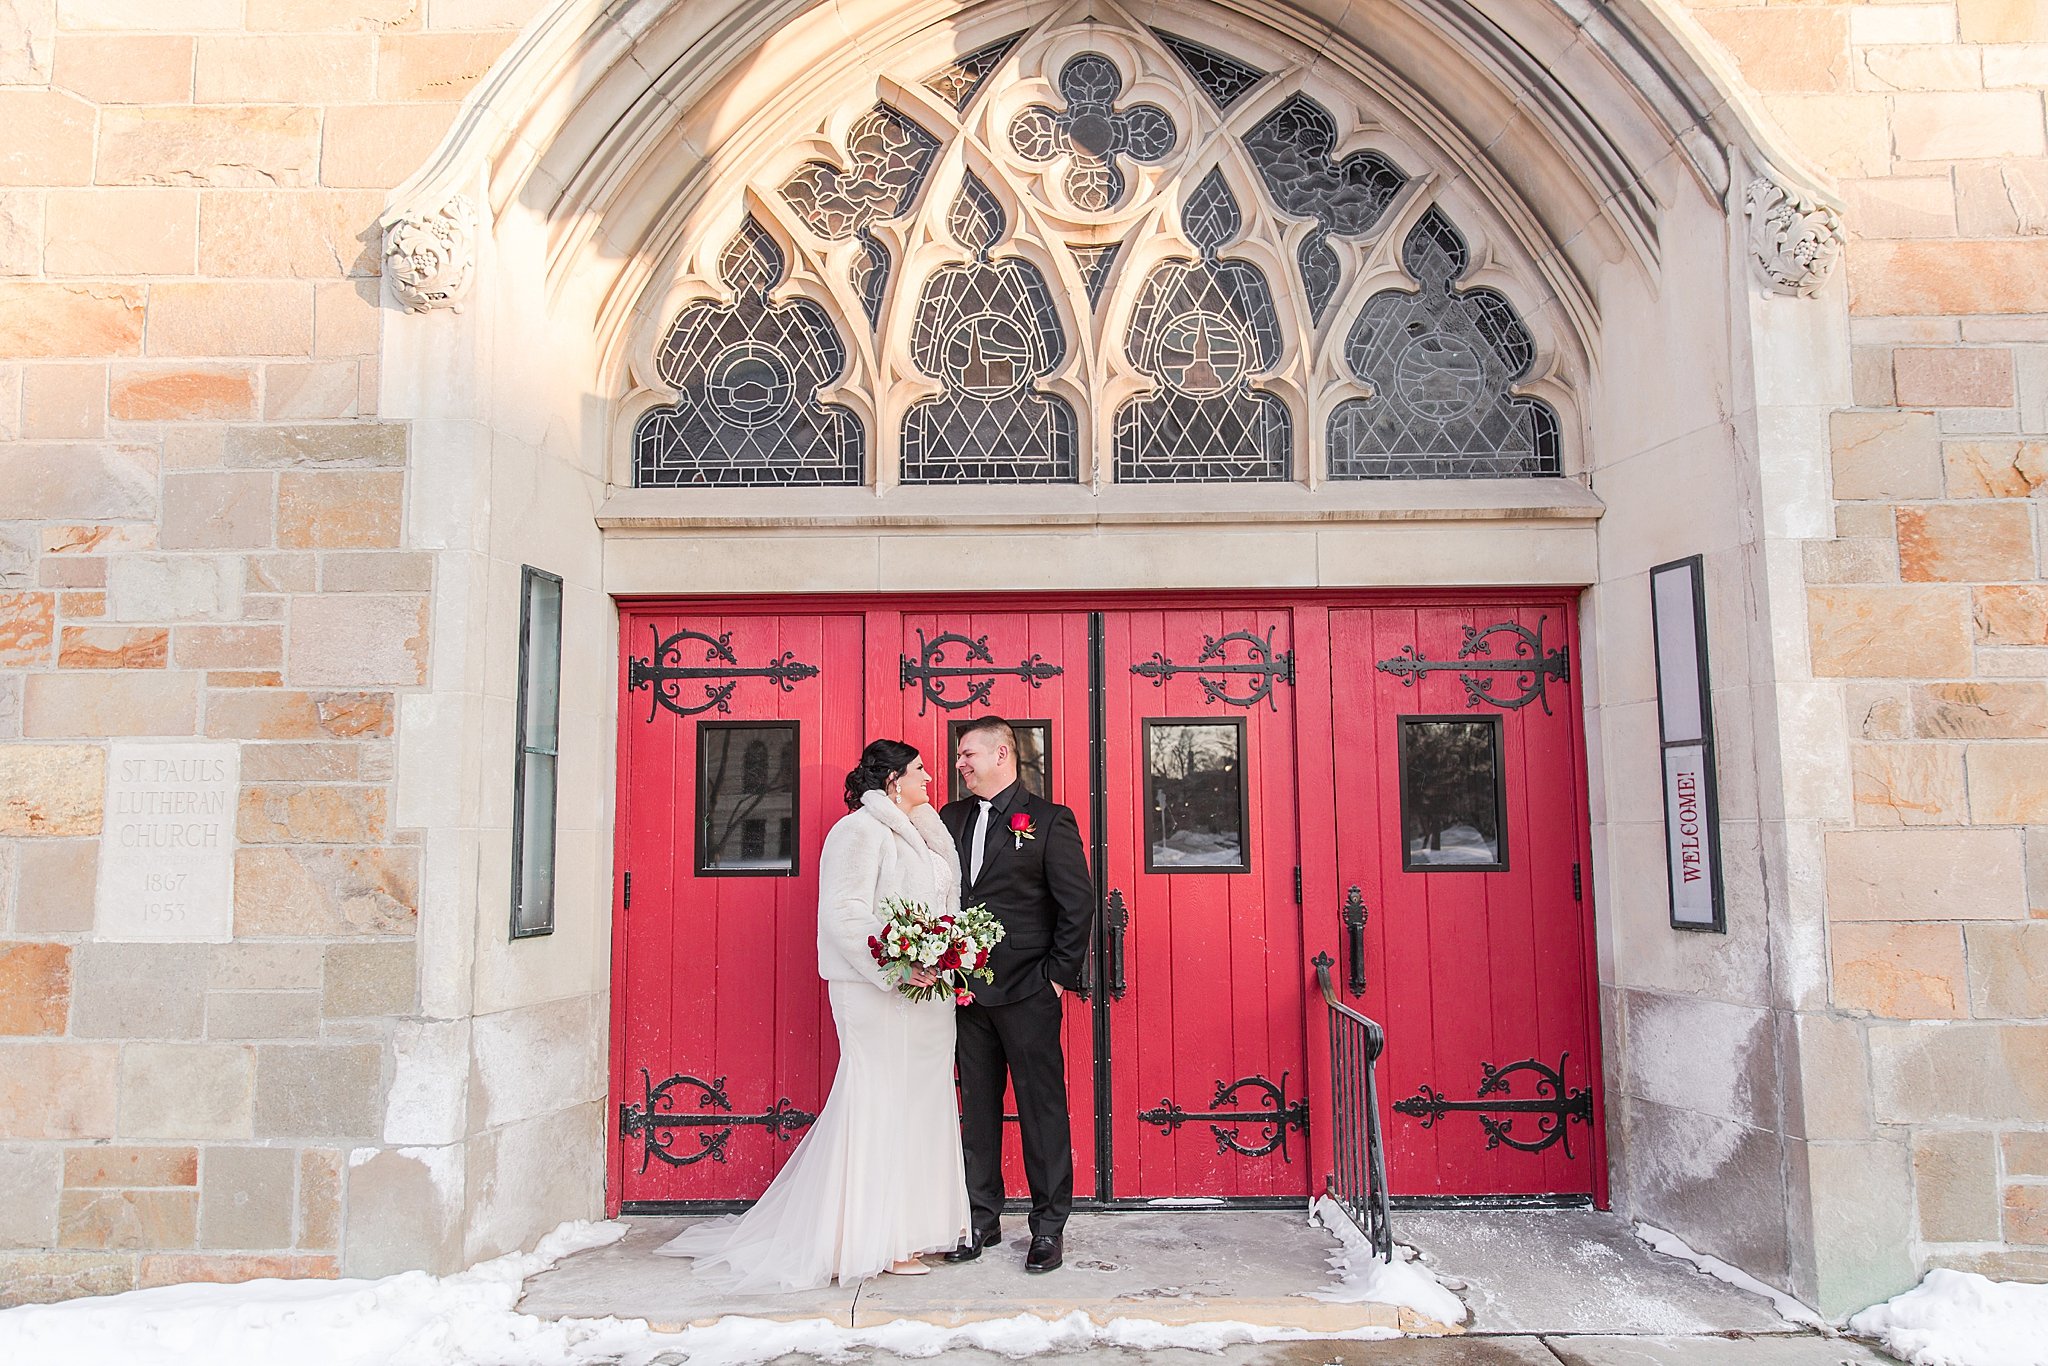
x: 954, y: 945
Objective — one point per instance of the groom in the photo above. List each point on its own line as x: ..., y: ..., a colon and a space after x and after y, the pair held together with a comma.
x: 1020, y: 855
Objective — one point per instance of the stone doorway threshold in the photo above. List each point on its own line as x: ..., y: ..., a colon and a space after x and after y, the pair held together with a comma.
x: 1520, y: 1272
x: 1177, y: 1267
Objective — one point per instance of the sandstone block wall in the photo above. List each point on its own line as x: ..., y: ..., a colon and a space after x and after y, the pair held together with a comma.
x: 202, y: 535
x: 1929, y: 606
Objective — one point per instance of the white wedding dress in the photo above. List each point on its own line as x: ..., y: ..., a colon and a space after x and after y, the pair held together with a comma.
x: 879, y: 1176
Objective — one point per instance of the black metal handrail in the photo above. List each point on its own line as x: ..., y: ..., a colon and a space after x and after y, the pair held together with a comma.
x: 1359, y: 1184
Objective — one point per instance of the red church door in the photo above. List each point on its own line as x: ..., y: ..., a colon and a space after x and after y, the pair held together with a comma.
x: 1458, y: 803
x: 1031, y: 669
x: 1202, y: 979
x: 1189, y: 744
x: 738, y: 733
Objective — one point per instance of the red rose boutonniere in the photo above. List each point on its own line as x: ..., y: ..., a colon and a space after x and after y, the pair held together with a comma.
x: 1021, y: 829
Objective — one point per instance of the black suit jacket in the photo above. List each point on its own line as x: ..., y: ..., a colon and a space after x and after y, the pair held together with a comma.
x: 1039, y: 888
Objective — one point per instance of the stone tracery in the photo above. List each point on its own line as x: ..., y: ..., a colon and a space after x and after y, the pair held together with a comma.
x: 1130, y: 345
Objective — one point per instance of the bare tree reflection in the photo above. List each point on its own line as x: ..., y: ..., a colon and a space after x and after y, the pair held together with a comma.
x: 1195, y: 815
x: 1450, y: 812
x: 738, y: 811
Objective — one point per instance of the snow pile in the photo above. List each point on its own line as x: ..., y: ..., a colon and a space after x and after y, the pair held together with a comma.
x: 1671, y: 1245
x: 411, y: 1319
x: 1958, y: 1318
x: 1362, y: 1276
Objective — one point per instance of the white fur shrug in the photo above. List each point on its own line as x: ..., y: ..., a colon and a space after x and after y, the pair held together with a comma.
x: 874, y: 853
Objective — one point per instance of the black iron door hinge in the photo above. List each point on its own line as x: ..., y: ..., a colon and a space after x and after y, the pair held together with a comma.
x: 1297, y: 884
x: 626, y: 902
x: 1578, y: 886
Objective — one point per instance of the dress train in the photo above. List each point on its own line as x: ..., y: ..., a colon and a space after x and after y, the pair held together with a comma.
x: 878, y: 1178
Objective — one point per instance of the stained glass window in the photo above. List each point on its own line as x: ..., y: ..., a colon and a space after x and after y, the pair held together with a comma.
x: 887, y: 157
x: 1223, y: 79
x: 958, y: 81
x: 988, y: 330
x: 1200, y: 330
x: 955, y: 310
x: 746, y: 376
x: 1291, y: 147
x: 1091, y: 132
x: 1440, y: 364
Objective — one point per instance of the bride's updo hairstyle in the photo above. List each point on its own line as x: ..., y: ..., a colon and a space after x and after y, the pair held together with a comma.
x: 879, y: 762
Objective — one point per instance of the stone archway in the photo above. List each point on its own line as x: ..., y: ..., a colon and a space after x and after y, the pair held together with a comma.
x: 1605, y: 167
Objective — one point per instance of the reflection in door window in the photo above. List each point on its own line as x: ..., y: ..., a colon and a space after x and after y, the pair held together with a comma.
x: 746, y: 798
x: 1195, y: 814
x: 1034, y: 756
x: 1451, y: 799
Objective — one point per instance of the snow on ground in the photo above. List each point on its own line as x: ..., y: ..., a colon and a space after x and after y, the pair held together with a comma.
x: 1958, y: 1318
x: 1361, y: 1275
x: 469, y: 1319
x: 411, y: 1319
x: 1671, y: 1245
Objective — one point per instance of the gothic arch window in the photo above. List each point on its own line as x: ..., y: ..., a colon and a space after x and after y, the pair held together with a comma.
x: 1102, y: 253
x: 746, y: 376
x: 988, y: 330
x: 1201, y: 329
x: 1441, y: 364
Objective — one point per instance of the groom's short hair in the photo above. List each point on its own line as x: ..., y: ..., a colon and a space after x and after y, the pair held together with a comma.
x: 996, y: 728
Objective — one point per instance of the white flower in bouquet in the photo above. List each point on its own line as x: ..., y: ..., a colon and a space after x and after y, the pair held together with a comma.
x: 954, y: 945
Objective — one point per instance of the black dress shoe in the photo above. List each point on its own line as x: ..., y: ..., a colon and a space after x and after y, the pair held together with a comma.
x: 1047, y: 1252
x: 971, y: 1249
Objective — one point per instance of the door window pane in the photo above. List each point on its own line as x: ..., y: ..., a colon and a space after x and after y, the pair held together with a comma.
x: 746, y: 789
x: 1452, y: 806
x: 1034, y: 757
x: 1195, y: 811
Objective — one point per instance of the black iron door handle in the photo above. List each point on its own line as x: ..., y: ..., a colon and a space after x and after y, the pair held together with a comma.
x: 1354, y: 942
x: 1116, y: 919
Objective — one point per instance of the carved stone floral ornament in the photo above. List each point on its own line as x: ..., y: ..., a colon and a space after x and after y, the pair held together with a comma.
x: 430, y: 257
x: 1795, y: 241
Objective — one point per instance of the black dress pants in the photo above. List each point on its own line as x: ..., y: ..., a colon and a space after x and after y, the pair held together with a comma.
x: 1020, y: 1040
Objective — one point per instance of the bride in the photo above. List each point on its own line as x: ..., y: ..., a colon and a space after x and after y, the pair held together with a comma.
x: 878, y: 1179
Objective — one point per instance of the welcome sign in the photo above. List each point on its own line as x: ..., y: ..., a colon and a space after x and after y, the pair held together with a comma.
x: 1692, y: 837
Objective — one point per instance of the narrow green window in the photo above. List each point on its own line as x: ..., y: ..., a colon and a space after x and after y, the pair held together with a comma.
x: 533, y: 780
